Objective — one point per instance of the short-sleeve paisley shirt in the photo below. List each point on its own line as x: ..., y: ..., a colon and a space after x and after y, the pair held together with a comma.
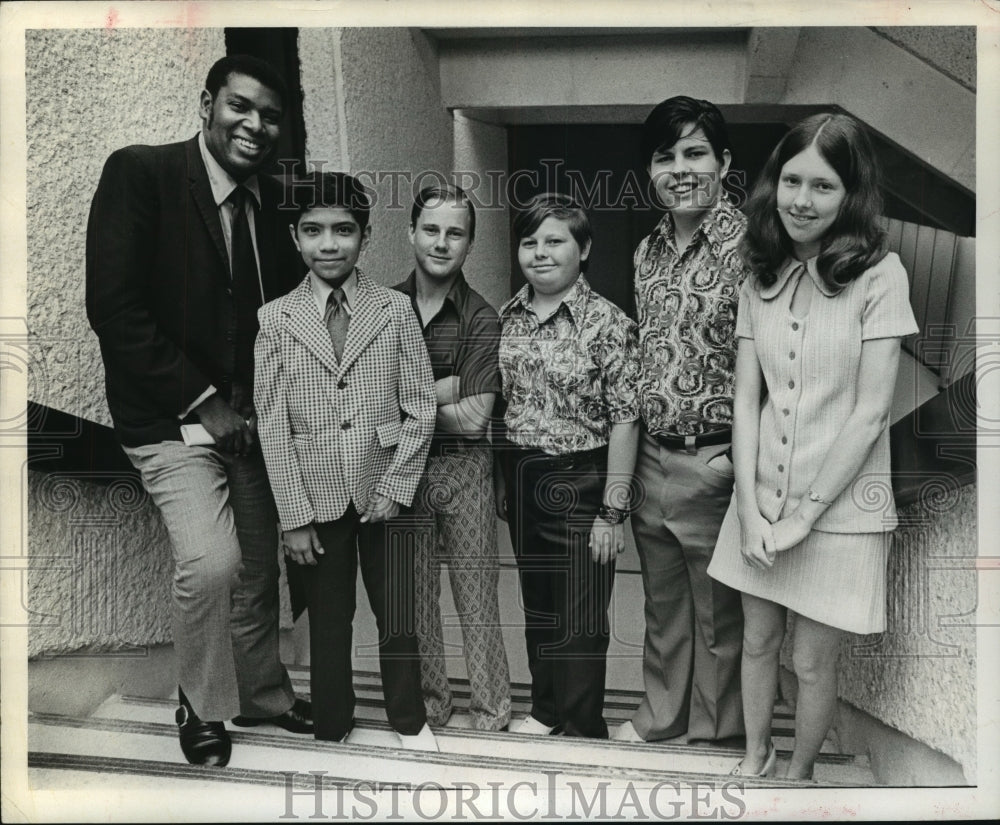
x: 686, y: 306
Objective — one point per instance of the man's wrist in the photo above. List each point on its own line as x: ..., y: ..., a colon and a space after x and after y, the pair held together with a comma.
x: 612, y: 515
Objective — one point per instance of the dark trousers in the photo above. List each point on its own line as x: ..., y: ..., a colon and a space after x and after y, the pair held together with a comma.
x: 552, y: 502
x: 387, y: 571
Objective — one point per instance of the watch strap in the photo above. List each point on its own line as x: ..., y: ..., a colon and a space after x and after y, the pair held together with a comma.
x: 612, y: 515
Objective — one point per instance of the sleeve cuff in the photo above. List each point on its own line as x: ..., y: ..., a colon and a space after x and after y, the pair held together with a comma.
x: 206, y: 394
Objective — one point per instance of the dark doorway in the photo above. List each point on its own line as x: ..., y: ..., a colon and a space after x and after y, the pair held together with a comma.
x: 600, y: 166
x: 280, y: 48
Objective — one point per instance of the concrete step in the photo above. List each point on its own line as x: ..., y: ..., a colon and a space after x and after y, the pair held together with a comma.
x: 371, y: 757
x: 619, y: 704
x: 458, y: 737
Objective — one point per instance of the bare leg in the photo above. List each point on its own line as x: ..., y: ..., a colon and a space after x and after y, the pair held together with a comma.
x: 815, y: 659
x: 763, y: 632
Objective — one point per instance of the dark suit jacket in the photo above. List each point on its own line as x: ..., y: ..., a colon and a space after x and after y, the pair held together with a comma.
x: 159, y: 295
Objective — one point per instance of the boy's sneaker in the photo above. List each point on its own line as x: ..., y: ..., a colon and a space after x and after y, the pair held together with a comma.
x: 422, y: 741
x: 530, y: 725
x: 626, y: 732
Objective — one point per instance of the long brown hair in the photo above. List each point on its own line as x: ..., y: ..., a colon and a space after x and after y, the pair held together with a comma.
x: 854, y: 242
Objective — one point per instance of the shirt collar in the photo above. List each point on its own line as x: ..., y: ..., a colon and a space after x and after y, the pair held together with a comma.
x: 220, y: 180
x: 575, y: 300
x: 788, y: 269
x: 321, y: 289
x: 711, y: 225
x: 458, y: 294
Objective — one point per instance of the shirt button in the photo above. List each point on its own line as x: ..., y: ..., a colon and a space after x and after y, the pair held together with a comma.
x: 795, y: 325
x: 784, y: 440
x: 779, y: 493
x: 345, y: 425
x: 791, y: 385
x: 785, y: 411
x: 791, y: 355
x: 781, y: 468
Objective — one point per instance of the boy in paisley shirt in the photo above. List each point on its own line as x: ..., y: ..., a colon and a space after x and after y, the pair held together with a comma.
x: 688, y: 273
x: 568, y: 366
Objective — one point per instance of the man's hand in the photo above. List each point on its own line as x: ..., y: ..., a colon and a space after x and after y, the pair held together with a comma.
x: 606, y: 540
x: 302, y: 544
x: 380, y: 508
x: 229, y: 429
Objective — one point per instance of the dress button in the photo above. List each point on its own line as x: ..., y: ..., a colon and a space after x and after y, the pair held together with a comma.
x: 795, y: 325
x: 781, y: 468
x: 785, y: 411
x: 791, y: 385
x: 779, y: 493
x: 791, y: 355
x: 784, y: 439
x: 341, y: 384
x: 345, y: 425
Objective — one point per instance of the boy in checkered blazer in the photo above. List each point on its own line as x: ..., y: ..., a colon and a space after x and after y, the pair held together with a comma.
x: 346, y: 404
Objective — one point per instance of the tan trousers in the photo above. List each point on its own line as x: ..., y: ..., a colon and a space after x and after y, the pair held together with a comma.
x: 694, y: 624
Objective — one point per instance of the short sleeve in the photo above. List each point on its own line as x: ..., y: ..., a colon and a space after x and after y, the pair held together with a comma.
x: 744, y: 323
x: 637, y: 256
x: 887, y: 312
x: 478, y: 369
x: 620, y: 369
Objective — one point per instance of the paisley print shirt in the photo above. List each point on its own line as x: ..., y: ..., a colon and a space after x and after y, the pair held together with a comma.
x: 568, y: 378
x: 686, y: 306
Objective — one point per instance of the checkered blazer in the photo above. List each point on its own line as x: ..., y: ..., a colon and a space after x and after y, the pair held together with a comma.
x: 334, y: 432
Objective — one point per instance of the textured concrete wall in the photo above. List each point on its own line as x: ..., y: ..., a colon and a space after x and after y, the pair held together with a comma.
x: 395, y: 123
x: 90, y: 92
x: 100, y: 571
x: 322, y: 97
x: 898, y: 93
x: 100, y: 566
x: 481, y: 148
x: 920, y: 676
x: 951, y: 49
x: 373, y: 107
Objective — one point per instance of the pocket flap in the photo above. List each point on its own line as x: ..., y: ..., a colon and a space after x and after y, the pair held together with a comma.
x: 388, y: 433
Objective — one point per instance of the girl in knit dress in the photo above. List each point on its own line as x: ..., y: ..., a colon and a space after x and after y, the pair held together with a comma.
x: 819, y: 327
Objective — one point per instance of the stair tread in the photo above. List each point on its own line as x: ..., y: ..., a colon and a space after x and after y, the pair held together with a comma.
x: 510, y: 755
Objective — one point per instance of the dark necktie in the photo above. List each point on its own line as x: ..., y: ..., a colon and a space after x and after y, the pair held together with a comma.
x: 337, y: 319
x: 246, y: 284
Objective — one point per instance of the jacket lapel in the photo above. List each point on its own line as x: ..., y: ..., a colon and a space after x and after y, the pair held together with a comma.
x: 367, y: 320
x: 305, y: 324
x: 265, y: 231
x: 201, y: 191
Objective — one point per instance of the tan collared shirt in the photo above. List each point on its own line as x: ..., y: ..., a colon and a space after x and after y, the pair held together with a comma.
x: 321, y: 291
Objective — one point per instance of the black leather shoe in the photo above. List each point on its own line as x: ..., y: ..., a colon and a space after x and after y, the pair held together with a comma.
x: 297, y: 719
x: 203, y: 743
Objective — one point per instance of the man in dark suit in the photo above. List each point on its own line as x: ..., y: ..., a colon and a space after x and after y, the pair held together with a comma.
x: 184, y: 244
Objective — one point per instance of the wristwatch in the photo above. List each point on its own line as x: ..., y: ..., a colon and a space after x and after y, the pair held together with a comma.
x: 612, y: 515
